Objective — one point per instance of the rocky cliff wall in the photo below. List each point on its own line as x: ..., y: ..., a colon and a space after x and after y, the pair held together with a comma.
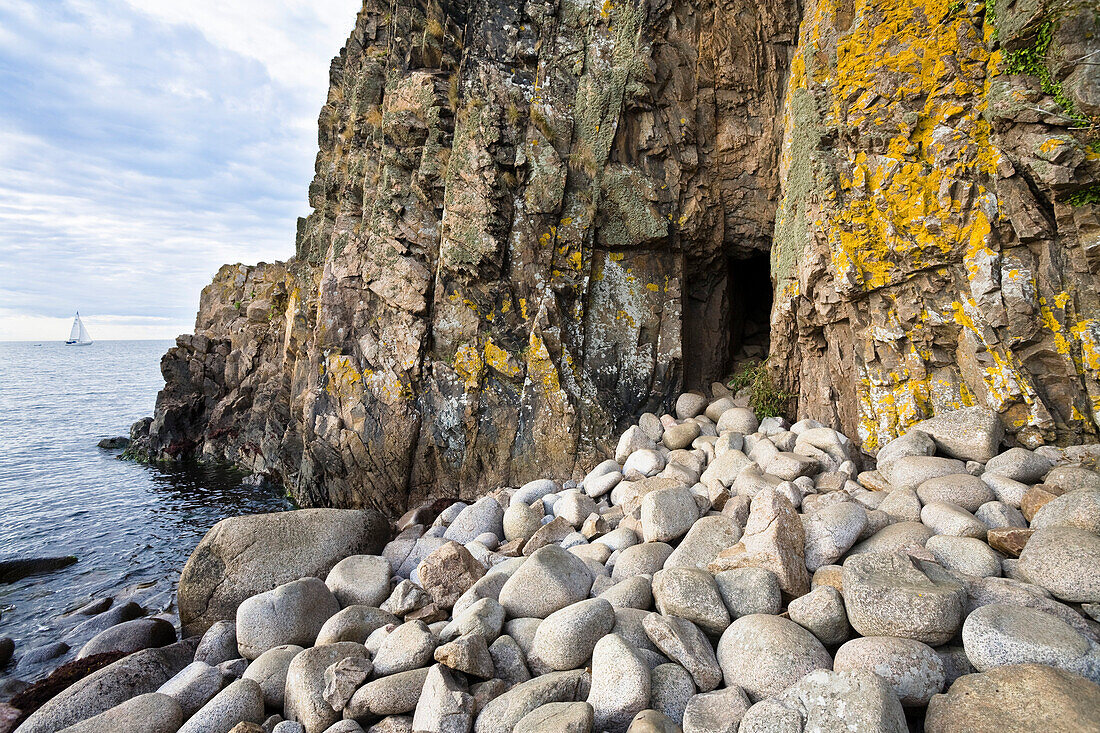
x: 530, y: 224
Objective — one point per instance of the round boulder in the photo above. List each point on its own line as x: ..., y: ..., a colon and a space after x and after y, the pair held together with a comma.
x: 765, y: 654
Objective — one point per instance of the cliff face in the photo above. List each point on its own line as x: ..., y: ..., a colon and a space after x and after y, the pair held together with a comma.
x: 532, y: 223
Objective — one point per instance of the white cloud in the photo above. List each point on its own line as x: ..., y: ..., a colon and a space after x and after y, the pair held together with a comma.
x: 145, y: 143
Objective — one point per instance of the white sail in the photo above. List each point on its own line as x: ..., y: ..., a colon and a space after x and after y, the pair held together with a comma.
x: 78, y: 335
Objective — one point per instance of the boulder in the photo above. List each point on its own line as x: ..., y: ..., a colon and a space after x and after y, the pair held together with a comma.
x: 888, y: 594
x: 764, y: 655
x: 269, y: 671
x: 909, y: 472
x: 716, y: 712
x: 707, y: 537
x: 998, y: 635
x: 691, y: 594
x: 965, y: 555
x: 746, y: 591
x: 130, y: 636
x: 409, y: 646
x: 773, y: 540
x: 831, y: 532
x: 1019, y: 464
x: 912, y: 669
x: 557, y: 717
x: 468, y: 654
x: 360, y: 580
x: 1080, y: 509
x: 239, y: 701
x: 1026, y: 697
x: 667, y: 514
x: 444, y: 707
x: 241, y: 557
x: 620, y: 684
x: 821, y: 612
x: 830, y: 701
x: 549, y: 580
x: 566, y: 638
x: 292, y: 613
x: 681, y: 641
x: 962, y: 489
x: 484, y: 515
x: 218, y: 644
x: 1065, y: 561
x: 502, y: 714
x: 393, y: 695
x: 354, y: 623
x: 969, y: 434
x: 304, y: 699
x: 139, y: 673
x: 448, y: 572
x: 148, y: 713
x: 194, y: 686
x: 644, y: 559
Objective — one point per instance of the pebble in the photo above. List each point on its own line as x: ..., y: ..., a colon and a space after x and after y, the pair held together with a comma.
x: 764, y: 655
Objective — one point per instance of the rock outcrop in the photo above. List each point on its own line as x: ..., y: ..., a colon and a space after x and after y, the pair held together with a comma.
x: 532, y: 223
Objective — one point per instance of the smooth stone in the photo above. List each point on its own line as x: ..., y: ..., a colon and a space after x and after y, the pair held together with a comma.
x: 707, y: 537
x: 970, y: 434
x: 521, y: 521
x: 1006, y: 490
x: 912, y: 443
x: 533, y: 491
x: 739, y: 420
x: 620, y: 684
x: 444, y: 707
x: 632, y: 441
x: 1026, y: 697
x: 634, y: 592
x: 290, y: 726
x: 504, y: 713
x: 1064, y: 561
x: 133, y: 675
x: 42, y: 654
x: 239, y: 701
x: 653, y: 721
x: 247, y: 555
x: 690, y: 404
x: 667, y: 514
x: 354, y: 623
x: 484, y: 515
x: 566, y: 638
x: 821, y: 612
x: 485, y: 617
x: 951, y: 519
x: 681, y: 436
x: 691, y: 594
x: 304, y: 700
x: 965, y: 555
x: 557, y: 717
x: 670, y: 688
x: 887, y: 594
x: 360, y: 580
x: 996, y: 515
x: 269, y: 671
x: 130, y: 636
x: 218, y: 644
x: 644, y: 559
x: 643, y: 464
x: 998, y: 635
x: 409, y: 646
x: 764, y: 655
x: 747, y: 591
x: 574, y: 507
x: 468, y: 654
x: 831, y: 532
x: 720, y: 711
x: 192, y: 687
x: 909, y: 472
x: 393, y: 695
x: 1072, y: 477
x: 549, y: 580
x: 830, y: 701
x: 684, y: 643
x: 1080, y: 509
x: 962, y: 489
x: 894, y: 538
x: 902, y: 504
x: 148, y: 713
x: 603, y: 484
x: 509, y: 661
x: 1019, y: 464
x: 912, y: 668
x: 619, y: 539
x: 293, y: 613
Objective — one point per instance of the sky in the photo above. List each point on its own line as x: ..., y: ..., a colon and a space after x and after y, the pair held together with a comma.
x: 144, y: 143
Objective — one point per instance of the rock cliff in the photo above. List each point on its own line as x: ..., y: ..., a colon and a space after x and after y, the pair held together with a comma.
x: 533, y: 222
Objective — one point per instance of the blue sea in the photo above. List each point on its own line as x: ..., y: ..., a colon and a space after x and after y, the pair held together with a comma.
x: 131, y: 526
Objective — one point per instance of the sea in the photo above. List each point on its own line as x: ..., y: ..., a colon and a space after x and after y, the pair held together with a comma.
x: 130, y: 526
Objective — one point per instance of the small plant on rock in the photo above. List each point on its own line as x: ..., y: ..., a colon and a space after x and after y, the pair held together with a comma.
x: 765, y: 398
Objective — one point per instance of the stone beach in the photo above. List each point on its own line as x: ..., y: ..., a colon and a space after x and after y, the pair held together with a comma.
x: 695, y: 590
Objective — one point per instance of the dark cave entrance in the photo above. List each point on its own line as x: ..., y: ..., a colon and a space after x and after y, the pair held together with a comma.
x: 750, y: 297
x: 726, y: 318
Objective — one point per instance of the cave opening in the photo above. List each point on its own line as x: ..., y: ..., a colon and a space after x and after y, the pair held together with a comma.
x: 750, y: 293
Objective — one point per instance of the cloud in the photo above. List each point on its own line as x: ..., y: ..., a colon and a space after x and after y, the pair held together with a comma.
x: 144, y: 143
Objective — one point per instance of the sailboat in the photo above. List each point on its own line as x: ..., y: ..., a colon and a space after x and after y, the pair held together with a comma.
x: 78, y: 336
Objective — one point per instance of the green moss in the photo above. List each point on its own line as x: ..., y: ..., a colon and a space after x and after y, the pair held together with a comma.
x: 765, y: 399
x: 1031, y: 60
x: 1087, y: 195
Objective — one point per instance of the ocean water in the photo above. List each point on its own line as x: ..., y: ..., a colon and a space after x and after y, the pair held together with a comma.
x: 131, y: 526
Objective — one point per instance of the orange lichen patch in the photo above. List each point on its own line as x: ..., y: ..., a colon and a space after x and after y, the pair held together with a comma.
x: 500, y: 360
x: 542, y: 372
x: 469, y: 365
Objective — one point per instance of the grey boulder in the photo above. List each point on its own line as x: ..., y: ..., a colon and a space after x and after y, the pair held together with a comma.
x: 292, y: 613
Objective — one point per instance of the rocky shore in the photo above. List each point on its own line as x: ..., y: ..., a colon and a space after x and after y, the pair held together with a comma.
x: 721, y: 573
